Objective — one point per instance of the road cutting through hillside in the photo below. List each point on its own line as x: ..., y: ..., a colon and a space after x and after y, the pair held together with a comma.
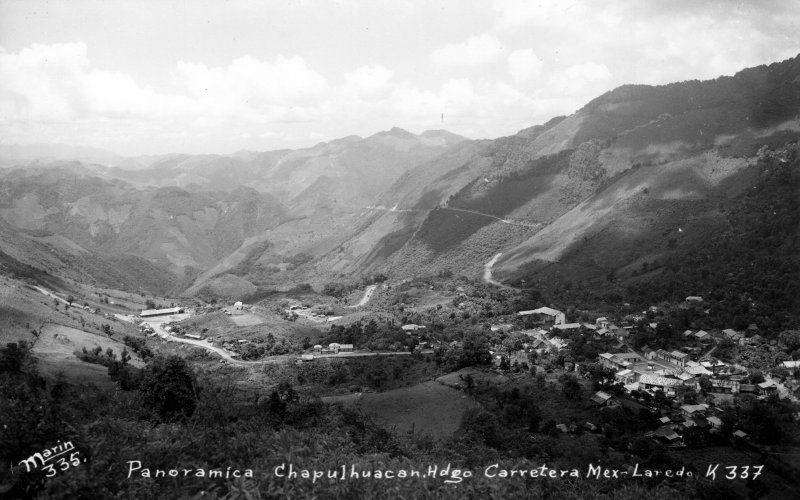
x: 156, y: 325
x: 453, y: 209
x: 487, y: 273
x: 367, y: 295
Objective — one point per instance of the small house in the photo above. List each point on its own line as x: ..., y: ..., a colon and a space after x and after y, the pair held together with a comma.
x: 238, y: 306
x: 601, y: 398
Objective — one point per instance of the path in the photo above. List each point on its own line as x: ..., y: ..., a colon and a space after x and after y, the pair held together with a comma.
x: 50, y: 294
x: 453, y: 209
x: 367, y: 295
x: 487, y: 273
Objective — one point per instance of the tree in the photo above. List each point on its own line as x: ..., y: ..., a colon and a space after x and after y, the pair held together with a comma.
x: 571, y: 388
x: 14, y: 357
x: 149, y: 304
x: 169, y: 389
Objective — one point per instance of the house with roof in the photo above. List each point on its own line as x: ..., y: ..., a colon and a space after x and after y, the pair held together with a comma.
x: 614, y: 361
x: 768, y: 387
x: 790, y: 365
x: 696, y: 371
x: 694, y: 298
x: 654, y: 382
x: 554, y: 315
x: 601, y: 398
x: 626, y: 376
x: 666, y: 433
x: 411, y: 327
x: 702, y: 335
x: 722, y: 386
x: 713, y: 366
x: 601, y: 322
x: 566, y: 326
x: 740, y: 434
x: 694, y: 410
x: 748, y: 389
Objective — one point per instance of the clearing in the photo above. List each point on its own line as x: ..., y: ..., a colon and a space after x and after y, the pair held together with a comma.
x: 429, y: 408
x: 55, y: 350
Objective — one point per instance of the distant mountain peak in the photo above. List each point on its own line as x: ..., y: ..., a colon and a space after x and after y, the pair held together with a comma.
x: 396, y: 132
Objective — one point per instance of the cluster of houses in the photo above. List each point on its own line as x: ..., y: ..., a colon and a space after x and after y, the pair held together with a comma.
x: 673, y: 372
x: 333, y: 348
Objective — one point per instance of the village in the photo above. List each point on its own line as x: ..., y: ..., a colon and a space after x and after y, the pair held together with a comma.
x: 670, y: 383
x: 685, y: 385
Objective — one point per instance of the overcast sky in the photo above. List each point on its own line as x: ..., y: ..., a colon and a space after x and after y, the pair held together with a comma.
x: 141, y: 77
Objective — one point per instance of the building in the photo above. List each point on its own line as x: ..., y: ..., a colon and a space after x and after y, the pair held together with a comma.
x: 791, y: 365
x: 601, y: 398
x: 148, y: 313
x: 626, y: 376
x: 619, y: 361
x: 665, y: 433
x: 612, y: 361
x: 675, y: 357
x: 721, y: 386
x: 767, y: 387
x: 238, y: 306
x: 567, y: 326
x: 694, y: 410
x: 694, y: 298
x: 601, y: 322
x: 556, y: 316
x: 702, y: 335
x: 412, y: 328
x: 654, y: 382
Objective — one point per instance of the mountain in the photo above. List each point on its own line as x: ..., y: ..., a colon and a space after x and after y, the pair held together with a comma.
x: 169, y: 233
x: 12, y: 154
x: 346, y: 172
x: 637, y: 175
x: 608, y: 200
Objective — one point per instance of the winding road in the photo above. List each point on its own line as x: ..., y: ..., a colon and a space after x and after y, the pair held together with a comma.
x: 367, y: 295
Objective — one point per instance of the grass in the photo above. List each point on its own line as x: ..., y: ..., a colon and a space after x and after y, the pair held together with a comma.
x: 55, y: 352
x: 429, y: 408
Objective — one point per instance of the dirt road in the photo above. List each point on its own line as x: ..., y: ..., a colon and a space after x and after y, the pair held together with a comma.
x: 367, y: 295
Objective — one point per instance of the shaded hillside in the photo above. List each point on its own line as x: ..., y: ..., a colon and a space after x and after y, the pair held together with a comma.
x: 46, y: 258
x: 638, y: 157
x: 170, y: 228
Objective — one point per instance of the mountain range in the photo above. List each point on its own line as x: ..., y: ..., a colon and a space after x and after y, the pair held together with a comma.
x: 603, y: 199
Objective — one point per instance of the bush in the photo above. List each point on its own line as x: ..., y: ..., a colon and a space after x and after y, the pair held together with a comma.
x: 169, y: 389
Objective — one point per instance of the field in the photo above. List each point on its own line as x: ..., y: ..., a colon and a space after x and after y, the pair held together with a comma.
x: 429, y: 408
x: 55, y: 352
x: 246, y: 319
x: 250, y: 326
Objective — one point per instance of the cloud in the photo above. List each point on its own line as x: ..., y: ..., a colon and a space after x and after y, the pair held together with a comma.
x: 56, y: 83
x: 369, y: 81
x: 476, y: 51
x: 523, y: 65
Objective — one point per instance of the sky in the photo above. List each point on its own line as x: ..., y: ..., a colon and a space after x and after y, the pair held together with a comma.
x: 196, y: 76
